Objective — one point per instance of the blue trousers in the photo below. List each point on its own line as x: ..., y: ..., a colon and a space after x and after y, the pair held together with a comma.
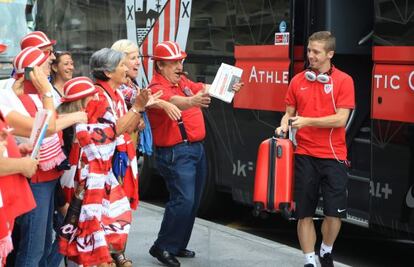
x: 36, y: 228
x: 184, y: 169
x: 55, y: 258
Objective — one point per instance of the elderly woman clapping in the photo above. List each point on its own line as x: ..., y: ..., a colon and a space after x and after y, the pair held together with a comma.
x: 109, y: 70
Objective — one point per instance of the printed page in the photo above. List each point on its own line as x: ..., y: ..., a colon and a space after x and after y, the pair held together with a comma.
x: 226, y: 77
x: 38, y: 133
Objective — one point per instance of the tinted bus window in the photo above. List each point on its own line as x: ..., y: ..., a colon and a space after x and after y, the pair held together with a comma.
x: 13, y: 27
x: 82, y: 27
x: 394, y: 23
x: 217, y: 26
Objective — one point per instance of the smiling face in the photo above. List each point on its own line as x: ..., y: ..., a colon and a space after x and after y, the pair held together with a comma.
x: 171, y: 70
x: 119, y: 75
x: 319, y: 58
x: 64, y: 67
x: 132, y: 62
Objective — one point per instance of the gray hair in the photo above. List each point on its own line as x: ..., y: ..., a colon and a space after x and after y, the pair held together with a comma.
x: 125, y: 45
x: 103, y: 60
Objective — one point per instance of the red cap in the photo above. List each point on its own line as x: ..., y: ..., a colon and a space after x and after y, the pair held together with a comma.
x: 28, y: 57
x: 37, y: 39
x: 78, y: 88
x: 3, y: 48
x: 168, y: 50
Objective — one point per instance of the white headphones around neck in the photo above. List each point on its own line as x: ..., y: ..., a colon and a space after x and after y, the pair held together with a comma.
x: 324, y: 78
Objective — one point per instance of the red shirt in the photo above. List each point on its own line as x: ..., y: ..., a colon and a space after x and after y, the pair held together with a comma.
x: 40, y: 175
x: 15, y: 190
x: 164, y: 130
x: 314, y: 99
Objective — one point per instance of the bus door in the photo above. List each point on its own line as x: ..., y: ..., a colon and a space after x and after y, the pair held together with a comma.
x: 353, y: 56
x: 392, y: 137
x: 391, y: 188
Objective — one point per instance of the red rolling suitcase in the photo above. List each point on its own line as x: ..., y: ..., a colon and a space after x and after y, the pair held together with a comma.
x: 273, y: 183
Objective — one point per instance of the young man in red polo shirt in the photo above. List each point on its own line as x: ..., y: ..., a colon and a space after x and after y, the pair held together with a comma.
x: 179, y: 150
x: 319, y: 101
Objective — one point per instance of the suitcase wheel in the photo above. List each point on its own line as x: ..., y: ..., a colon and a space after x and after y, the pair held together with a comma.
x: 258, y: 208
x: 264, y: 215
x: 287, y: 214
x: 285, y: 210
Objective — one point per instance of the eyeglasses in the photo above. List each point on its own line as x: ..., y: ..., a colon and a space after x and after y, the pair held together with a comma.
x: 48, y: 52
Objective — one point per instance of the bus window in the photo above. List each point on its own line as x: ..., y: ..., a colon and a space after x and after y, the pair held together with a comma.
x: 13, y: 27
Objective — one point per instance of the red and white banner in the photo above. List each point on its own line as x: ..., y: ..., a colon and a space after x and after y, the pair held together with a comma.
x: 152, y: 21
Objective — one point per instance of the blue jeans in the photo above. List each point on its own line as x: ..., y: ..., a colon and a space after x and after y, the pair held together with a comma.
x: 184, y: 170
x: 36, y: 228
x: 55, y: 258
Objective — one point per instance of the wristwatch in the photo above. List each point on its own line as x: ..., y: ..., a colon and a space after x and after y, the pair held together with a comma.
x: 47, y: 94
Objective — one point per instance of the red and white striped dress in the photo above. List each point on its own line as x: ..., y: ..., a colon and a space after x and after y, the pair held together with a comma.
x: 115, y: 100
x: 109, y: 101
x: 105, y: 214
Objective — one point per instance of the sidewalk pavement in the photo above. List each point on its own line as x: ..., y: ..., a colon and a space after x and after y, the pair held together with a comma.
x: 215, y: 245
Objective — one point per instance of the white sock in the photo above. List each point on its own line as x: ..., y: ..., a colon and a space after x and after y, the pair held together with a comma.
x: 325, y: 249
x: 310, y: 258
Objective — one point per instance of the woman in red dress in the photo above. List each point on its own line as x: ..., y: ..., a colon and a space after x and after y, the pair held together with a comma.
x: 16, y: 198
x: 107, y: 113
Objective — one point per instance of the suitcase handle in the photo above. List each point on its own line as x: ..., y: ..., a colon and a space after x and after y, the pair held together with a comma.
x: 282, y: 134
x: 290, y: 130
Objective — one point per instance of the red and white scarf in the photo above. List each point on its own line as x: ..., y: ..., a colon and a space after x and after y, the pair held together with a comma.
x: 124, y: 142
x: 105, y: 214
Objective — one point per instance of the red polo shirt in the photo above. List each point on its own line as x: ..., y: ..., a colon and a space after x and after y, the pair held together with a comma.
x: 166, y: 131
x: 314, y: 99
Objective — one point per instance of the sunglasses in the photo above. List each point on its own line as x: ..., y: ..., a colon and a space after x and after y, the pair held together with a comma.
x: 48, y: 52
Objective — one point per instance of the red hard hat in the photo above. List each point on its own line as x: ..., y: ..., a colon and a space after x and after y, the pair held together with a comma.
x: 78, y: 88
x: 29, y: 57
x: 37, y: 39
x: 168, y: 50
x: 3, y: 48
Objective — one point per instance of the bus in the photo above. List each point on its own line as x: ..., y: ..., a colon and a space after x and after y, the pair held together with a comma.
x: 267, y: 39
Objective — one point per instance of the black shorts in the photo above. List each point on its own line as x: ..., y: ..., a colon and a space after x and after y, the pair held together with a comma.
x: 315, y: 175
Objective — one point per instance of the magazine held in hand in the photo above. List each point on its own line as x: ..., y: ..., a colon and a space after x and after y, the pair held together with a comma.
x: 38, y: 133
x: 222, y: 86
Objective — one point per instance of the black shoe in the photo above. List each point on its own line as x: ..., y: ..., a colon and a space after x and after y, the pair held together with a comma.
x: 326, y: 260
x: 185, y: 253
x: 309, y: 265
x: 164, y: 256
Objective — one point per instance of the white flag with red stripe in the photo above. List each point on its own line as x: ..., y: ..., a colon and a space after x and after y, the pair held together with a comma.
x: 152, y: 21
